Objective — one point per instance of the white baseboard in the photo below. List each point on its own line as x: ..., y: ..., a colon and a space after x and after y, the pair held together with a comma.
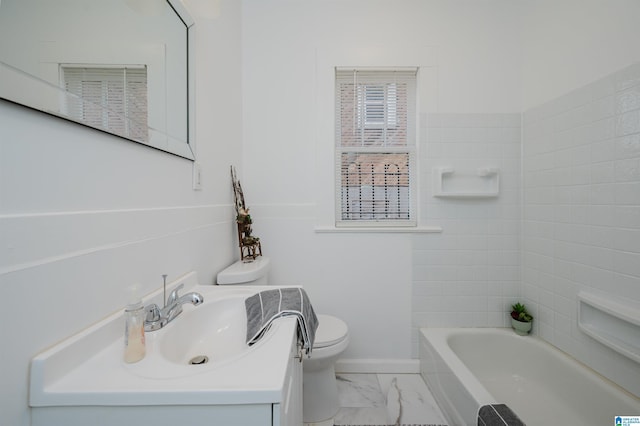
x: 378, y: 366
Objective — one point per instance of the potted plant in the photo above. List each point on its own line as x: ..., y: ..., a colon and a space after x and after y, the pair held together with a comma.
x: 521, y: 319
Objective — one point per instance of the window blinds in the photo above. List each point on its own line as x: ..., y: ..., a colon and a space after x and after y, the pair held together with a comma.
x: 109, y: 98
x: 375, y: 108
x: 375, y: 145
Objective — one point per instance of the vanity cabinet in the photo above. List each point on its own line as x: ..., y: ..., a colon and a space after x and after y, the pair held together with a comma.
x: 289, y: 411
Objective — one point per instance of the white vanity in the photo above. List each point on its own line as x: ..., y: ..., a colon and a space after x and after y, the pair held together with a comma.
x: 83, y: 380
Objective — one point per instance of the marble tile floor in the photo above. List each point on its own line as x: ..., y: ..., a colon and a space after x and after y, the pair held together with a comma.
x: 384, y: 399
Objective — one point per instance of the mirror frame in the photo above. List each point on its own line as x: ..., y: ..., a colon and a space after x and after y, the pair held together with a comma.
x: 188, y: 149
x: 180, y: 147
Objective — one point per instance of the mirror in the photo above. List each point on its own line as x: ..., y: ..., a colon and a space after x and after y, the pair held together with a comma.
x: 121, y: 66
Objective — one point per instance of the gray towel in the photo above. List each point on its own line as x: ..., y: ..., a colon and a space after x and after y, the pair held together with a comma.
x: 265, y: 307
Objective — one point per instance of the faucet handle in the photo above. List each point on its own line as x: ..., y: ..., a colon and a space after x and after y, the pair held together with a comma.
x: 152, y: 313
x: 173, y: 296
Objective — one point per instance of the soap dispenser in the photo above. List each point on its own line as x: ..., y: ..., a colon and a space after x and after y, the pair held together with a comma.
x: 134, y: 315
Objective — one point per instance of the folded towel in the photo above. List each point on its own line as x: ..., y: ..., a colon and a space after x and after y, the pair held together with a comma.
x: 265, y: 307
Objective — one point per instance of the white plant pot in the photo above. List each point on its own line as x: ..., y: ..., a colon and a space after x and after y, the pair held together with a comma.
x: 521, y: 328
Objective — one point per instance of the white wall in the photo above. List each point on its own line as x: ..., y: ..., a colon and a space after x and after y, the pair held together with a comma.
x: 83, y: 214
x: 568, y: 44
x: 469, y: 54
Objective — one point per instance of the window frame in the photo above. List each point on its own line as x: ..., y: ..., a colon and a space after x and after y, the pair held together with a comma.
x: 390, y: 121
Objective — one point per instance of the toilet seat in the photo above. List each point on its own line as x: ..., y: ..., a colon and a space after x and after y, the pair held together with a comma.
x: 331, y: 331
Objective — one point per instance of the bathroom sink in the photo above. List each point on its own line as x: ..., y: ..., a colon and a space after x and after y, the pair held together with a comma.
x: 210, y: 333
x: 88, y: 370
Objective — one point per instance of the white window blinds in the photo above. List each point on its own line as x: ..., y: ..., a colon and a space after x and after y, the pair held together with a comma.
x: 375, y: 146
x: 109, y: 98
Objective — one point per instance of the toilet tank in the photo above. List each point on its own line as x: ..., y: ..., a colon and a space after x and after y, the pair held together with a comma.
x: 252, y: 273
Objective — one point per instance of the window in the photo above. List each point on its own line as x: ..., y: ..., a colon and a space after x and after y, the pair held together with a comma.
x: 375, y: 147
x: 109, y: 98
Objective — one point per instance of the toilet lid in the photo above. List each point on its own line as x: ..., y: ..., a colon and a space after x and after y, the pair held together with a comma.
x: 331, y: 330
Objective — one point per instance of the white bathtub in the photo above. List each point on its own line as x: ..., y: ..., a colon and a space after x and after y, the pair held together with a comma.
x: 467, y: 368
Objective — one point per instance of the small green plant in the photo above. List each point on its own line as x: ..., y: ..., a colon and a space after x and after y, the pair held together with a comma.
x: 519, y: 313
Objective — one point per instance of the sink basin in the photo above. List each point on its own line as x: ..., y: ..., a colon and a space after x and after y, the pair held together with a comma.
x: 210, y: 333
x: 201, y: 338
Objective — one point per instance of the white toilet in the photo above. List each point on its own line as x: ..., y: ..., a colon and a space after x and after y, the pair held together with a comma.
x: 320, y: 393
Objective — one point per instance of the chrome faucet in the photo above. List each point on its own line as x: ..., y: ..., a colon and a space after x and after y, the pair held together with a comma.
x: 157, y: 317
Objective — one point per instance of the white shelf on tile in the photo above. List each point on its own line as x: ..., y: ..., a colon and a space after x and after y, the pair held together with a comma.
x: 484, y: 183
x: 612, y: 322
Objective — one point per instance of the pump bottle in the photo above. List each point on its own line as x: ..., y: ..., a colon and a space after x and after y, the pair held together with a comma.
x: 134, y: 346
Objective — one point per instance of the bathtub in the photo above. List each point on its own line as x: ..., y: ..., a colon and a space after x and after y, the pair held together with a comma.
x: 467, y: 368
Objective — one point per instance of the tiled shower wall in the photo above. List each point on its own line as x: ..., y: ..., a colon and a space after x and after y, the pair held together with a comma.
x: 581, y: 227
x: 468, y: 275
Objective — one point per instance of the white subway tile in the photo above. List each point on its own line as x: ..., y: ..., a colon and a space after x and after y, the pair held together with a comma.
x: 424, y: 304
x: 626, y: 240
x: 627, y: 216
x: 625, y: 285
x: 560, y: 194
x: 602, y: 279
x: 580, y: 194
x: 628, y: 170
x: 627, y: 263
x: 435, y: 273
x: 601, y: 215
x: 600, y: 236
x: 434, y: 120
x: 511, y: 120
x: 627, y: 193
x: 512, y: 151
x: 581, y: 175
x: 503, y: 258
x: 563, y: 158
x: 580, y: 214
x: 504, y: 273
x: 472, y: 272
x: 466, y: 288
x: 581, y: 155
x: 628, y: 146
x: 436, y: 257
x: 565, y: 287
x: 603, y: 150
x: 563, y: 176
x: 602, y: 129
x: 604, y: 193
x: 511, y: 289
x: 562, y: 139
x: 627, y: 100
x: 434, y: 134
x: 601, y: 257
x: 427, y: 288
x: 628, y: 123
x: 603, y: 172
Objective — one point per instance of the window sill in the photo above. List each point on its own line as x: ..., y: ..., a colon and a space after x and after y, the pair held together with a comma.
x: 378, y: 230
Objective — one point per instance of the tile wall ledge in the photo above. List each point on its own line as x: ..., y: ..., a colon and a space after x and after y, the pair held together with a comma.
x: 225, y: 208
x: 378, y: 230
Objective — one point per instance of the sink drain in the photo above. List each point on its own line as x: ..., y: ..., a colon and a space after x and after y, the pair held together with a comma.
x: 199, y: 360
